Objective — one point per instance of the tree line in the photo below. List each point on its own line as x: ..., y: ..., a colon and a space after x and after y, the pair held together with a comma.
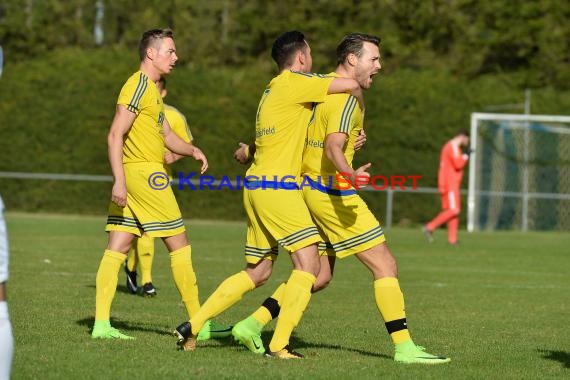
x: 467, y: 38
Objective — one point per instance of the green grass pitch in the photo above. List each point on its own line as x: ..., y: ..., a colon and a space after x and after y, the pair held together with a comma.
x: 498, y: 305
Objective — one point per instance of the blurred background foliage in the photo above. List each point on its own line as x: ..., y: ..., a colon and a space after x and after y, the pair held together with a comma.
x: 66, y: 60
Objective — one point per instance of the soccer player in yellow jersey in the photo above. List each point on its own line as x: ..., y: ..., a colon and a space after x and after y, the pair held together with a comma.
x: 142, y: 252
x: 275, y: 209
x: 140, y: 200
x: 349, y: 226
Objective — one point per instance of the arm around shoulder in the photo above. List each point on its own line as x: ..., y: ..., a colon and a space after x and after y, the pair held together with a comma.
x: 339, y: 85
x: 351, y: 86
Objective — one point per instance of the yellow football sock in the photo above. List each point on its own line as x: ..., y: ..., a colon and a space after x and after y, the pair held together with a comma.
x: 390, y: 303
x: 264, y: 315
x: 132, y: 257
x: 145, y: 253
x: 106, y: 283
x: 296, y: 297
x: 228, y: 293
x: 185, y: 278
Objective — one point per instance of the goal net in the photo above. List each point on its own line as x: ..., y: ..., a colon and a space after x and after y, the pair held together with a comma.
x: 519, y: 172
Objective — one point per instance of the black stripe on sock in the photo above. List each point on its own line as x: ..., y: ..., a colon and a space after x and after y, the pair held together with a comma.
x: 396, y: 325
x: 272, y: 305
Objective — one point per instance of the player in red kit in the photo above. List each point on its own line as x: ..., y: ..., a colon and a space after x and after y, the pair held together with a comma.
x: 451, y: 164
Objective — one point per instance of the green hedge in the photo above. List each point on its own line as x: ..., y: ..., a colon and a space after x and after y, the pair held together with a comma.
x: 55, y: 113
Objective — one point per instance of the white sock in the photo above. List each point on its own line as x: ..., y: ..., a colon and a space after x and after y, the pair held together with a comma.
x: 6, y: 342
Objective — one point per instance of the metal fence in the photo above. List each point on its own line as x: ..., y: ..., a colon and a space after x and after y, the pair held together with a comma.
x: 390, y: 193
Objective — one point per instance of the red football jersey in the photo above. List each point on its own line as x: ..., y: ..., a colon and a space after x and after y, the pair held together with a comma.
x: 451, y: 164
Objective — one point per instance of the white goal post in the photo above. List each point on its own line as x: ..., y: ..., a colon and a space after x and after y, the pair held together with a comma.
x: 519, y: 172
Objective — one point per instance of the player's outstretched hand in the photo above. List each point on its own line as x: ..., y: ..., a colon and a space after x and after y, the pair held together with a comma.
x: 198, y: 155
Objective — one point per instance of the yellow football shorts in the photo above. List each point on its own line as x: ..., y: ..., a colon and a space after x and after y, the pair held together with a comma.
x: 276, y: 216
x: 151, y: 205
x: 346, y: 221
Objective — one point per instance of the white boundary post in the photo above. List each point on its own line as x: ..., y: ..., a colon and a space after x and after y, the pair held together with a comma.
x: 472, y: 167
x: 526, y: 155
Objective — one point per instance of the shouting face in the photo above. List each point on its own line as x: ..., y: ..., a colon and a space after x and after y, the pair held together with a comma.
x: 368, y: 65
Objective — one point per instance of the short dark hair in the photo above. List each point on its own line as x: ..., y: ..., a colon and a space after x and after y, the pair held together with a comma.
x: 151, y: 37
x: 462, y: 132
x: 352, y: 44
x: 286, y: 46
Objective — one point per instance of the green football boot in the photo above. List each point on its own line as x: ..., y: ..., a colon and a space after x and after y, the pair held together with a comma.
x: 103, y: 330
x: 409, y: 353
x: 248, y: 333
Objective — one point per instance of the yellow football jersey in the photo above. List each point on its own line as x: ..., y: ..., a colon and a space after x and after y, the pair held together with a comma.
x: 281, y: 124
x: 178, y: 123
x: 338, y: 113
x: 145, y: 140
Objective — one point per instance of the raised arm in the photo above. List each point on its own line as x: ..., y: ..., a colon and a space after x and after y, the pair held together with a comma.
x: 350, y: 86
x: 459, y: 159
